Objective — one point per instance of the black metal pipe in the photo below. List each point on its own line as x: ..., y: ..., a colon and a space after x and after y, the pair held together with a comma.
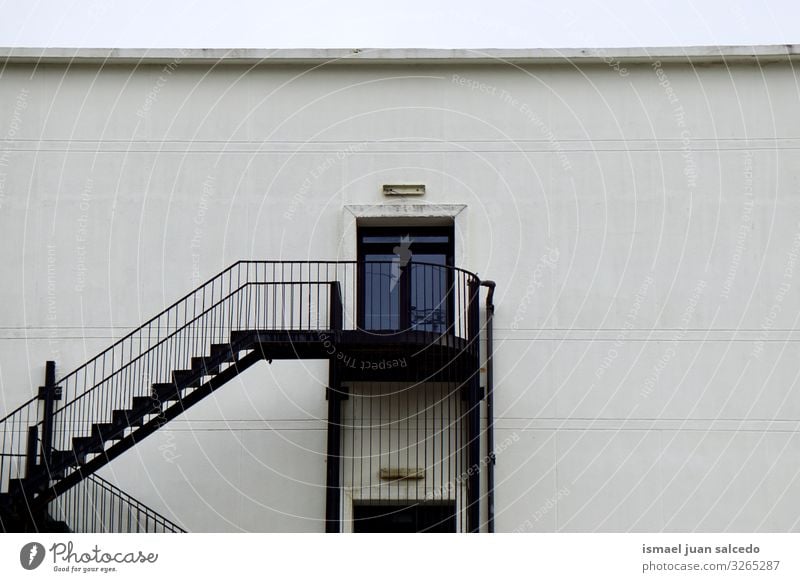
x: 333, y: 473
x: 474, y: 416
x: 490, y: 404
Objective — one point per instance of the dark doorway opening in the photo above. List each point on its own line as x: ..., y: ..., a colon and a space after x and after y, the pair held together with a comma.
x: 426, y: 517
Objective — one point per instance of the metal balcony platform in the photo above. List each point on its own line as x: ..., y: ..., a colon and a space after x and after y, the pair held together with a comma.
x: 401, y: 356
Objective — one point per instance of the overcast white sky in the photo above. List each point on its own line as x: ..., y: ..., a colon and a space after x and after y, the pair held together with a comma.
x: 407, y: 23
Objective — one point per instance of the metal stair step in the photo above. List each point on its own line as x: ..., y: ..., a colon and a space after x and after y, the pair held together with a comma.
x: 185, y: 378
x: 87, y: 445
x: 69, y: 458
x: 125, y: 418
x: 206, y: 365
x: 106, y: 431
x: 145, y: 405
x: 163, y: 392
x: 56, y: 474
x: 240, y: 335
x: 224, y: 351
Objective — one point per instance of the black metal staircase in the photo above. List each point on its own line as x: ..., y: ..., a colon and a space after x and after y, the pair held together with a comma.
x: 252, y: 311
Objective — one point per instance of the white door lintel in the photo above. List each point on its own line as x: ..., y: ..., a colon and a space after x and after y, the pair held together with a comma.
x: 400, y: 214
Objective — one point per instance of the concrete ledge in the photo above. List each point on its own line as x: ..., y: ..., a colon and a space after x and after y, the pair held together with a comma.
x: 757, y: 54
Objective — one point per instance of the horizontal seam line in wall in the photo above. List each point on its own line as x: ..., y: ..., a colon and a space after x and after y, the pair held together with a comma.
x: 647, y: 429
x: 405, y: 141
x: 587, y: 329
x: 503, y: 339
x: 518, y: 329
x: 550, y: 150
x: 635, y: 329
x: 505, y: 419
x: 676, y: 140
x: 776, y: 430
x: 642, y: 340
x: 640, y: 419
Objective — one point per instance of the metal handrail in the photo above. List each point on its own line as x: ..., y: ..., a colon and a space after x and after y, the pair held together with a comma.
x: 246, y: 295
x: 98, y: 506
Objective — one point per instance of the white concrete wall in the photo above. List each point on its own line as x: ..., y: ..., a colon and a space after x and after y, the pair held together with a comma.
x: 642, y: 227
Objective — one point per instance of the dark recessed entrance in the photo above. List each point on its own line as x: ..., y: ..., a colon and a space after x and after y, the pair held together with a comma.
x: 406, y: 282
x: 400, y: 518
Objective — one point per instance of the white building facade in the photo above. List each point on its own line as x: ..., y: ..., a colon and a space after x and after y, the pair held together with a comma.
x: 638, y: 210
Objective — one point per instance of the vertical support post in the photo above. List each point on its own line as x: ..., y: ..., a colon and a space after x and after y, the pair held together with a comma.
x: 473, y: 457
x: 30, y: 453
x: 333, y: 474
x: 335, y: 308
x: 405, y: 320
x: 474, y: 414
x: 334, y: 395
x: 49, y: 393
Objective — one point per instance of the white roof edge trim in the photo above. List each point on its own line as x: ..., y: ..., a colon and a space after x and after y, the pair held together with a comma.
x: 399, y: 56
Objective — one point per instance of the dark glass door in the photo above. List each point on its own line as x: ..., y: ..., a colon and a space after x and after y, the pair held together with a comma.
x: 405, y: 279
